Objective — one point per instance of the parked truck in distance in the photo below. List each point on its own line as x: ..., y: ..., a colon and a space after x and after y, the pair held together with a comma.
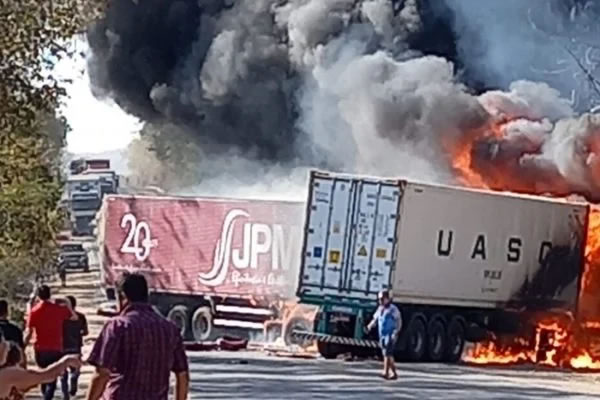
x: 460, y: 263
x: 89, y: 181
x: 212, y: 264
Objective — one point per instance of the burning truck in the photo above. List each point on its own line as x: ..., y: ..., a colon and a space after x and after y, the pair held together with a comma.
x: 505, y: 270
x: 214, y: 265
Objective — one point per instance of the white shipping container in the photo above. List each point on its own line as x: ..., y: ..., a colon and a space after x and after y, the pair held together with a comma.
x: 440, y: 245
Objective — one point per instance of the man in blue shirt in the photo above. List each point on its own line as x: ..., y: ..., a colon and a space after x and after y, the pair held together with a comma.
x: 389, y: 321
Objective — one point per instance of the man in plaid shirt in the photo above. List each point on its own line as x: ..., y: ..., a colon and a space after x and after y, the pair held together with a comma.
x: 137, y: 351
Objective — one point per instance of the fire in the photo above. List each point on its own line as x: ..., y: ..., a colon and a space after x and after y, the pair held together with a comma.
x: 462, y: 153
x: 558, y: 343
x: 492, y: 353
x: 591, y: 275
x: 584, y: 361
x: 293, y: 316
x: 543, y: 348
x: 565, y: 342
x: 461, y: 162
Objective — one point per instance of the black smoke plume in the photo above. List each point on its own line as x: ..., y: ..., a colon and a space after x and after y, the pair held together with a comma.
x: 230, y: 87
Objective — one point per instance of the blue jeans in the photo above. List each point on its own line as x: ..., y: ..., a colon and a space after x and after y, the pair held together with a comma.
x: 44, y: 359
x: 68, y: 382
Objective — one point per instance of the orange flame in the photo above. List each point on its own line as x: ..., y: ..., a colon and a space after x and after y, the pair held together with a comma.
x: 584, y: 361
x: 461, y: 162
x: 569, y: 343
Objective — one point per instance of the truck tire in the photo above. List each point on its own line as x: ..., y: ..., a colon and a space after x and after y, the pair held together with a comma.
x: 296, y: 323
x: 455, y: 340
x: 416, y: 339
x: 436, y: 339
x: 157, y: 310
x: 202, y: 324
x: 179, y: 316
x: 329, y: 351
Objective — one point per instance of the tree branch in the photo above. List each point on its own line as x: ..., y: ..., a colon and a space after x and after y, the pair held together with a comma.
x: 595, y: 83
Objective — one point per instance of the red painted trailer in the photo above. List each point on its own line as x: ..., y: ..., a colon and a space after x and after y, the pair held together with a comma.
x: 210, y: 262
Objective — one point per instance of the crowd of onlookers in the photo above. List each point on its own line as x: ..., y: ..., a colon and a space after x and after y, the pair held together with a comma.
x: 133, y: 356
x: 58, y: 330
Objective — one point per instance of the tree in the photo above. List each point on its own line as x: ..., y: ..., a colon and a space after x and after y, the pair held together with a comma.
x: 572, y: 25
x: 32, y: 34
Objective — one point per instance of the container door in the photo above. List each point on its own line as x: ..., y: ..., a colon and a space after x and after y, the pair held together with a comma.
x: 326, y: 236
x: 349, y: 239
x: 373, y: 238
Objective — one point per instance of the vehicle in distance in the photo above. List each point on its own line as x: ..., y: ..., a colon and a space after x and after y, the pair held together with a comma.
x: 73, y: 255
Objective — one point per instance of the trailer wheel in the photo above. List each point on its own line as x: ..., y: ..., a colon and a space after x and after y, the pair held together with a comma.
x: 300, y: 324
x: 329, y: 351
x: 272, y: 331
x: 455, y: 340
x: 436, y: 340
x: 202, y: 324
x: 416, y: 339
x: 156, y: 310
x: 179, y: 316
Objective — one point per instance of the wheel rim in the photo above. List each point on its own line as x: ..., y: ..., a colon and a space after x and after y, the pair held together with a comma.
x: 179, y: 322
x: 201, y: 325
x: 457, y: 342
x: 437, y: 342
x: 417, y: 341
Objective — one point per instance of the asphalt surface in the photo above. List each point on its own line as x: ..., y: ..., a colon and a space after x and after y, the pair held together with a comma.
x: 255, y: 375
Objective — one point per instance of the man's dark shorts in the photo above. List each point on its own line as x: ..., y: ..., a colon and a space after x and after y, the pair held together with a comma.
x: 72, y: 352
x: 46, y: 358
x: 388, y: 345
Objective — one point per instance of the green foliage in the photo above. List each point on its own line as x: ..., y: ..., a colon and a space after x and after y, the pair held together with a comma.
x: 31, y: 134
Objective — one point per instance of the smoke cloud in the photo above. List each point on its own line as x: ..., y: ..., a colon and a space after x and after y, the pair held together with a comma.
x: 546, y: 40
x: 237, y: 93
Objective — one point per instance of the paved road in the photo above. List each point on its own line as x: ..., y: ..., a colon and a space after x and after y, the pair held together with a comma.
x: 251, y: 375
x: 256, y: 376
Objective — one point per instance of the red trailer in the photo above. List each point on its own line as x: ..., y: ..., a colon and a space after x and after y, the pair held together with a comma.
x: 210, y: 262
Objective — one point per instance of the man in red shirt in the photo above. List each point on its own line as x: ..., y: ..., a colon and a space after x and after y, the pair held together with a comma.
x: 47, y: 319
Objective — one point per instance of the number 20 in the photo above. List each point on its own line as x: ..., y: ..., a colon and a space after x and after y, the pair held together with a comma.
x: 133, y: 243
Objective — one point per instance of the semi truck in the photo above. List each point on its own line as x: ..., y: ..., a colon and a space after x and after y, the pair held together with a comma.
x: 461, y: 264
x: 89, y: 182
x: 214, y: 265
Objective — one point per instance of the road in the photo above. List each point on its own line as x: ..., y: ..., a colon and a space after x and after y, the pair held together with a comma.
x: 254, y: 375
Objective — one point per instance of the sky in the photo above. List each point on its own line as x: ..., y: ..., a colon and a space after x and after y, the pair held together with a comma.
x: 97, y: 125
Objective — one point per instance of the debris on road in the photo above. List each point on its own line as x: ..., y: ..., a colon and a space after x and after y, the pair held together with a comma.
x: 294, y: 351
x: 225, y: 343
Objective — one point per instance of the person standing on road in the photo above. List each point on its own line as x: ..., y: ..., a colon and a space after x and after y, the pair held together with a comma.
x: 389, y: 321
x: 74, y: 331
x: 46, y: 320
x: 12, y: 332
x: 137, y: 351
x: 62, y: 272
